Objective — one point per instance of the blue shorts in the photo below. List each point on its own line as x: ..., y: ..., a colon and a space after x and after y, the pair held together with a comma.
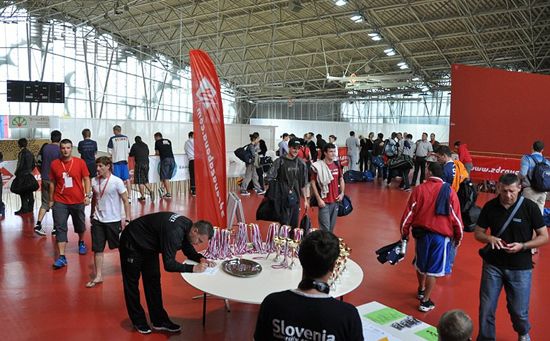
x: 167, y: 168
x: 434, y: 255
x: 121, y: 170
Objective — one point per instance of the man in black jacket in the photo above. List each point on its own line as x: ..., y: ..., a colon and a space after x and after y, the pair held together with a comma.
x: 140, y: 244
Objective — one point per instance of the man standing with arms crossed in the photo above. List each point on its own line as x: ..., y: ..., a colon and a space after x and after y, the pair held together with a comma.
x: 507, y: 258
x: 69, y: 194
x: 109, y: 191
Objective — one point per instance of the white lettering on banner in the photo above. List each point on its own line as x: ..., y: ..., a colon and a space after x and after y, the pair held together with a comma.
x: 206, y: 94
x: 498, y: 170
x: 206, y: 97
x: 287, y: 332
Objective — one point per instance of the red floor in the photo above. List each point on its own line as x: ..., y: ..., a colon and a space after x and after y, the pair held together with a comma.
x: 39, y: 303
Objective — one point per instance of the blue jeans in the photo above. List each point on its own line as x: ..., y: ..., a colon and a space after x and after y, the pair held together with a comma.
x: 517, y: 285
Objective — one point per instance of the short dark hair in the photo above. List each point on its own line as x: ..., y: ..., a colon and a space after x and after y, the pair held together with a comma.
x: 158, y: 134
x: 319, y: 136
x: 332, y: 137
x: 86, y: 133
x: 457, y: 143
x: 380, y: 136
x: 105, y: 160
x: 204, y: 227
x: 436, y: 169
x: 409, y: 136
x: 508, y: 179
x: 538, y: 146
x: 66, y: 141
x: 284, y: 135
x: 55, y: 136
x: 455, y: 325
x: 352, y: 133
x: 328, y: 146
x: 117, y: 128
x: 443, y: 150
x: 22, y: 143
x: 137, y: 139
x: 190, y: 134
x: 318, y: 253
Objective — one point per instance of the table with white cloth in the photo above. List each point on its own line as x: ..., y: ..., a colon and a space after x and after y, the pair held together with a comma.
x: 215, y: 281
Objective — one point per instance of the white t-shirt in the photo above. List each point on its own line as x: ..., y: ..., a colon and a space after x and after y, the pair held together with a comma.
x: 108, y: 207
x: 119, y: 147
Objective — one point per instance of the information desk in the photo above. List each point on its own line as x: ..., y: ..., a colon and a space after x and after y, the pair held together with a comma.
x: 254, y: 289
x: 382, y: 323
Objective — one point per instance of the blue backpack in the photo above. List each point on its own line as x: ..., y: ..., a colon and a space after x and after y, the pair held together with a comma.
x: 540, y: 180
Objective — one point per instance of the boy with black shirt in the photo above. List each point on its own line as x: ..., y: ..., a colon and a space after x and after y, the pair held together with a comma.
x: 140, y: 244
x: 507, y: 259
x: 310, y: 308
x: 163, y: 148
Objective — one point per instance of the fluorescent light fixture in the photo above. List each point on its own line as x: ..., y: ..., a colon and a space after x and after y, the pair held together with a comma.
x: 401, y: 63
x: 357, y: 18
x: 376, y: 38
x: 403, y: 67
x: 373, y: 34
x: 416, y: 79
x: 340, y: 2
x: 388, y: 50
x: 391, y: 53
x: 425, y: 89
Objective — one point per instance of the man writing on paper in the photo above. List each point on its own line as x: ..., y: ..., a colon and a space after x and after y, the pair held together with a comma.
x: 141, y: 242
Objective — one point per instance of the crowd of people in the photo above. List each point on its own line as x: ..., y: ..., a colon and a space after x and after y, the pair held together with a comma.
x: 307, y: 173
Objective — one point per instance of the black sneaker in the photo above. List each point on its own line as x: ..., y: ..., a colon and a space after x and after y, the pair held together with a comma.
x: 54, y: 231
x: 168, y: 326
x: 39, y: 230
x: 143, y: 328
x: 420, y: 294
x: 426, y: 306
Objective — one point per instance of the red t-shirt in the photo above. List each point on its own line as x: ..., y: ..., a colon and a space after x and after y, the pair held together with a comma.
x: 76, y: 169
x: 333, y: 191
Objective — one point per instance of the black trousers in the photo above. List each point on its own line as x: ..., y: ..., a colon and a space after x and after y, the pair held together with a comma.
x: 135, y: 263
x: 419, y: 164
x: 290, y: 216
x: 363, y: 162
x: 27, y: 202
x: 192, y: 175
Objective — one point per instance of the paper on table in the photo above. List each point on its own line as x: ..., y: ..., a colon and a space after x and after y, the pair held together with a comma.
x: 210, y: 271
x: 384, y: 316
x: 429, y: 334
x: 371, y: 332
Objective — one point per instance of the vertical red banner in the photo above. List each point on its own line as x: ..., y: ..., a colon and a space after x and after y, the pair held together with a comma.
x: 209, y: 129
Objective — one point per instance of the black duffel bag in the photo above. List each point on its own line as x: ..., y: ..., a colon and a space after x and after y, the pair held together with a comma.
x: 24, y: 184
x: 401, y: 161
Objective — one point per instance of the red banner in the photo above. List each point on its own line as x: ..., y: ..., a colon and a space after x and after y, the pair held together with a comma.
x: 343, y: 156
x: 209, y: 129
x: 491, y: 168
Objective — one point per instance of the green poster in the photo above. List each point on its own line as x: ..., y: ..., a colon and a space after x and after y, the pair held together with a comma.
x: 384, y: 316
x: 429, y: 334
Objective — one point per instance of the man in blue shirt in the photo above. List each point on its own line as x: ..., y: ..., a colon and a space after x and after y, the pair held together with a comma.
x: 526, y: 174
x: 88, y: 149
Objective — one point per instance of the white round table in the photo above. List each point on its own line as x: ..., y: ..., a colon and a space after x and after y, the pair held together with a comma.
x: 253, y: 290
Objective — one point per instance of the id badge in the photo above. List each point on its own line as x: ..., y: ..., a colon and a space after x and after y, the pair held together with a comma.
x: 68, y: 182
x: 101, y: 205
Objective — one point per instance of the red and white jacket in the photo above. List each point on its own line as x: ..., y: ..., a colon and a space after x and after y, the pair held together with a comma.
x: 420, y: 212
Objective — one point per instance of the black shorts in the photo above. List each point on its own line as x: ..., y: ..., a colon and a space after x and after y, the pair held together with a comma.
x: 141, y: 174
x: 105, y: 232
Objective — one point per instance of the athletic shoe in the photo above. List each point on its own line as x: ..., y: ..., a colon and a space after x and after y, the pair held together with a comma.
x: 420, y: 294
x: 39, y: 230
x: 141, y: 199
x: 82, y: 249
x: 426, y: 306
x: 245, y: 193
x: 143, y: 328
x: 59, y: 263
x: 525, y: 337
x: 260, y: 192
x: 54, y: 231
x: 407, y: 189
x: 168, y: 195
x: 168, y: 326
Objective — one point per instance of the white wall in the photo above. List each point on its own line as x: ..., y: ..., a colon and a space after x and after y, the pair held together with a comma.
x: 341, y: 129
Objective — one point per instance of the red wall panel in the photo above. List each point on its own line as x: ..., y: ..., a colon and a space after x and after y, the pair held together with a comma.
x: 499, y: 111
